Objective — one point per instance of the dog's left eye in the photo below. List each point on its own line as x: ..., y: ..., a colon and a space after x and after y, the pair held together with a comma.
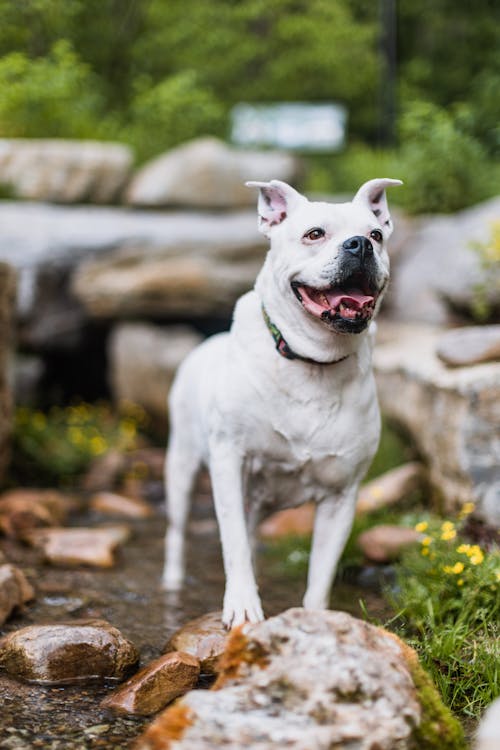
x: 376, y: 235
x: 315, y: 234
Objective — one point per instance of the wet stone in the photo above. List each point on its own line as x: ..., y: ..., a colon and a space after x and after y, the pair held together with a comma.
x: 15, y: 590
x: 80, y: 546
x: 24, y: 509
x: 113, y: 504
x: 386, y: 542
x: 155, y: 686
x: 68, y: 653
x: 204, y: 638
x: 291, y: 521
x: 469, y: 345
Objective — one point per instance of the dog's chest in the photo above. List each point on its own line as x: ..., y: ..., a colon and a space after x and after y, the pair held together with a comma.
x: 308, y: 448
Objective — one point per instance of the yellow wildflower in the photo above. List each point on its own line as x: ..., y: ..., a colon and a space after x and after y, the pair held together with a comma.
x: 447, y: 526
x: 448, y: 534
x: 460, y: 582
x: 497, y: 575
x: 98, y: 445
x: 458, y: 567
x: 464, y: 549
x: 422, y: 526
x: 477, y: 558
x: 467, y: 509
x: 426, y: 541
x: 425, y: 551
x: 39, y: 420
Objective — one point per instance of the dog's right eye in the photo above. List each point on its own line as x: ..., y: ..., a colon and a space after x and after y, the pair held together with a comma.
x: 315, y: 234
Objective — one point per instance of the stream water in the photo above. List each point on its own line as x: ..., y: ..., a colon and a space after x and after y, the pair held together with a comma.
x: 128, y: 596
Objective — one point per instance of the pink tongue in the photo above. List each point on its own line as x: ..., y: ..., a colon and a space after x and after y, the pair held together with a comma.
x: 352, y: 298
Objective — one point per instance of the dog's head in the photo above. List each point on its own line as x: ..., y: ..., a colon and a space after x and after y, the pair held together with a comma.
x: 331, y: 258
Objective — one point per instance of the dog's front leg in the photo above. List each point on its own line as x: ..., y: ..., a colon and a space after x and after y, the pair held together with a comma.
x: 332, y: 525
x: 241, y: 598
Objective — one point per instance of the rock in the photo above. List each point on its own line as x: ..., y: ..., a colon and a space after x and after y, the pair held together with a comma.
x: 391, y: 487
x: 15, y: 590
x: 47, y: 244
x: 143, y: 361
x: 204, y: 638
x: 22, y: 510
x: 470, y: 345
x: 385, y: 543
x: 7, y: 297
x: 110, y: 503
x: 206, y: 173
x: 64, y: 171
x: 183, y: 281
x: 291, y: 521
x: 69, y: 652
x: 307, y: 680
x: 440, y: 266
x: 79, y: 546
x: 488, y: 733
x: 452, y: 416
x: 156, y: 685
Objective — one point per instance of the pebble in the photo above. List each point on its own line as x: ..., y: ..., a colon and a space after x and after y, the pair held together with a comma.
x: 204, y: 638
x: 111, y: 503
x: 68, y: 653
x: 15, y: 590
x: 80, y: 546
x: 385, y: 543
x: 470, y: 345
x: 156, y: 685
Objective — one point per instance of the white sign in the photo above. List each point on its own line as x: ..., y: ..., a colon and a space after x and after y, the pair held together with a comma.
x: 290, y: 125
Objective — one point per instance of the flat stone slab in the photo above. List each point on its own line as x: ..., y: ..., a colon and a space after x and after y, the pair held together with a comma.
x: 156, y: 685
x: 69, y: 652
x: 385, y: 542
x: 80, y: 546
x: 470, y: 345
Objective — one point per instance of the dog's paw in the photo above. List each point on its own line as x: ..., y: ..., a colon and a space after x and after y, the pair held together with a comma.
x: 240, y: 609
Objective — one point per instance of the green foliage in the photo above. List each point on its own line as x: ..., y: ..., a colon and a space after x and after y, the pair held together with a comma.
x: 443, y: 166
x: 489, y: 255
x: 448, y: 602
x: 174, y: 110
x: 57, y: 446
x: 53, y: 96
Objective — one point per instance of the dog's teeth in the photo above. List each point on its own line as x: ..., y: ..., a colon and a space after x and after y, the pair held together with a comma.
x: 325, y: 300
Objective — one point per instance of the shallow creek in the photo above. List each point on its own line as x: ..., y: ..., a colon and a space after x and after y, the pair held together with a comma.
x: 128, y: 596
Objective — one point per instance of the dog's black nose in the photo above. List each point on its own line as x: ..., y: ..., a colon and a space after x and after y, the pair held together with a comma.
x: 360, y: 246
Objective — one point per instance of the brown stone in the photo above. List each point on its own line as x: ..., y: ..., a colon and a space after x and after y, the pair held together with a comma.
x: 80, y: 546
x: 469, y: 345
x: 69, y: 652
x: 292, y: 521
x: 391, y: 487
x: 385, y: 542
x: 156, y: 685
x: 204, y: 638
x: 104, y: 471
x: 24, y: 509
x: 110, y: 503
x: 15, y: 590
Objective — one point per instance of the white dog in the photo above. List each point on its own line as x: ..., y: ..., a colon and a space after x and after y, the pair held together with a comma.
x: 283, y: 408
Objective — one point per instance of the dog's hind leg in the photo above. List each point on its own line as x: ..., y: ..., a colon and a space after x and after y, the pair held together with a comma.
x: 181, y: 470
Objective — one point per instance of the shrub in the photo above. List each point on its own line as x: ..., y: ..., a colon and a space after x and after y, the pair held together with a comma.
x: 53, y: 96
x: 174, y: 110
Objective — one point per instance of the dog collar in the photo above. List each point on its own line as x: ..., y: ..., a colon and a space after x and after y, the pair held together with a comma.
x: 285, y: 350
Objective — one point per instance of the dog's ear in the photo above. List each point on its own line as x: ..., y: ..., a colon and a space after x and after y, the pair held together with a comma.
x: 372, y: 194
x: 276, y: 199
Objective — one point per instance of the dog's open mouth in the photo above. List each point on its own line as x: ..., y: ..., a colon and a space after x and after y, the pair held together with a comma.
x: 352, y: 303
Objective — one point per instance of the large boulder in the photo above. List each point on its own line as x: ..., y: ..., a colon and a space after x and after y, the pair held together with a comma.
x: 7, y: 292
x: 452, y: 414
x: 79, y: 261
x: 310, y: 679
x: 143, y: 361
x: 64, y: 171
x: 206, y: 173
x: 440, y: 270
